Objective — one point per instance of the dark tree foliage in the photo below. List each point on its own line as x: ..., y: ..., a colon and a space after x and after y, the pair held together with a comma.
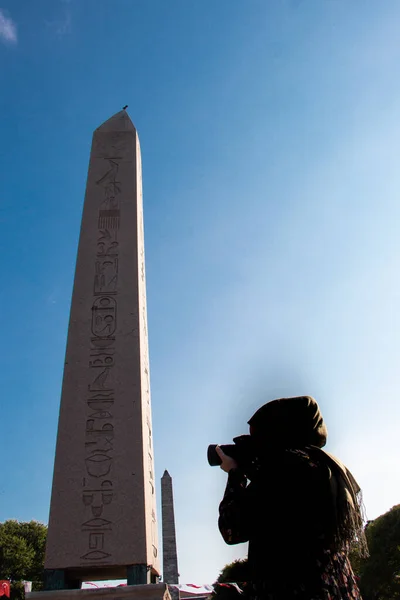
x: 235, y: 572
x: 22, y: 547
x: 379, y: 574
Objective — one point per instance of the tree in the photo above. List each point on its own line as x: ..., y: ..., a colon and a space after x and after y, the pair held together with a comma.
x: 235, y: 572
x: 379, y: 574
x: 22, y: 547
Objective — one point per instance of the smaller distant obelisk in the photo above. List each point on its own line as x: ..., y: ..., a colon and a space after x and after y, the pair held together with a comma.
x: 170, y: 557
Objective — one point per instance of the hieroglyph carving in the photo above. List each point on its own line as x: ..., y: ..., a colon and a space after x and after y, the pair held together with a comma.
x: 97, y: 485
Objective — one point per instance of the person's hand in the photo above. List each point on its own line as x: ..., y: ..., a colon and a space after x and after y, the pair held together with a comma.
x: 228, y: 462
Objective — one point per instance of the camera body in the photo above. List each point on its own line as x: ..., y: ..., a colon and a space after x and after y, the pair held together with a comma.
x: 242, y: 451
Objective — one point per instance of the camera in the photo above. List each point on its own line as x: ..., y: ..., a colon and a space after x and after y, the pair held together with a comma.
x: 242, y: 451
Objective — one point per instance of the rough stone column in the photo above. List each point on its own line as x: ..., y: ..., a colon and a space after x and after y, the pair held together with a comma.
x: 170, y: 557
x: 102, y: 521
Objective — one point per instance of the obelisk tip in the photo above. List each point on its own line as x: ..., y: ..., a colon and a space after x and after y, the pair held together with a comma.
x: 118, y: 122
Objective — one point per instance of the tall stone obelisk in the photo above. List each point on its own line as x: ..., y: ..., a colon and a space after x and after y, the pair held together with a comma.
x: 170, y: 556
x: 103, y: 512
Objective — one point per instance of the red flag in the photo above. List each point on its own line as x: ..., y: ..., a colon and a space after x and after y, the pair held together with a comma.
x: 4, y: 588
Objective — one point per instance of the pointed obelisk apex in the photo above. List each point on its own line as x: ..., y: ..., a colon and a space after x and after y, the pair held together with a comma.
x: 102, y: 521
x: 170, y: 556
x: 118, y: 122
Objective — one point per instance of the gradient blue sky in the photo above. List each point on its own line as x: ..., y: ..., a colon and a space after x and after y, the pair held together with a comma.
x: 270, y: 136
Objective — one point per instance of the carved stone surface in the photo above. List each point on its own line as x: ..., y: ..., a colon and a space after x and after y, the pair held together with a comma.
x: 170, y: 557
x: 103, y: 509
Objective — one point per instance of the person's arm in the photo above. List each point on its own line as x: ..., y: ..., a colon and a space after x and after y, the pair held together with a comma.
x: 234, y: 512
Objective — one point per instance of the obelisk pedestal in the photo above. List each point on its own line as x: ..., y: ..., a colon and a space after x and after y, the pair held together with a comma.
x: 103, y: 511
x: 133, y: 592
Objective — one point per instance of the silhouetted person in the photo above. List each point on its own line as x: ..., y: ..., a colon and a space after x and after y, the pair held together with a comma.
x: 300, y: 512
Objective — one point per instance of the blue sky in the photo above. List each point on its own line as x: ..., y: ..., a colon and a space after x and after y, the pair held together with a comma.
x: 270, y: 137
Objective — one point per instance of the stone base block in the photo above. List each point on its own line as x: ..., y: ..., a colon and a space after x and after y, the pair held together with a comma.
x: 157, y: 591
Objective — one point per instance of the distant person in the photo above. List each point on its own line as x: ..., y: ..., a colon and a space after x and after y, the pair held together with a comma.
x: 300, y: 512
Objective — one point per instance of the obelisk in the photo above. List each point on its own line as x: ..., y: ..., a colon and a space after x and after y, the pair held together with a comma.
x: 170, y: 556
x: 102, y: 521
